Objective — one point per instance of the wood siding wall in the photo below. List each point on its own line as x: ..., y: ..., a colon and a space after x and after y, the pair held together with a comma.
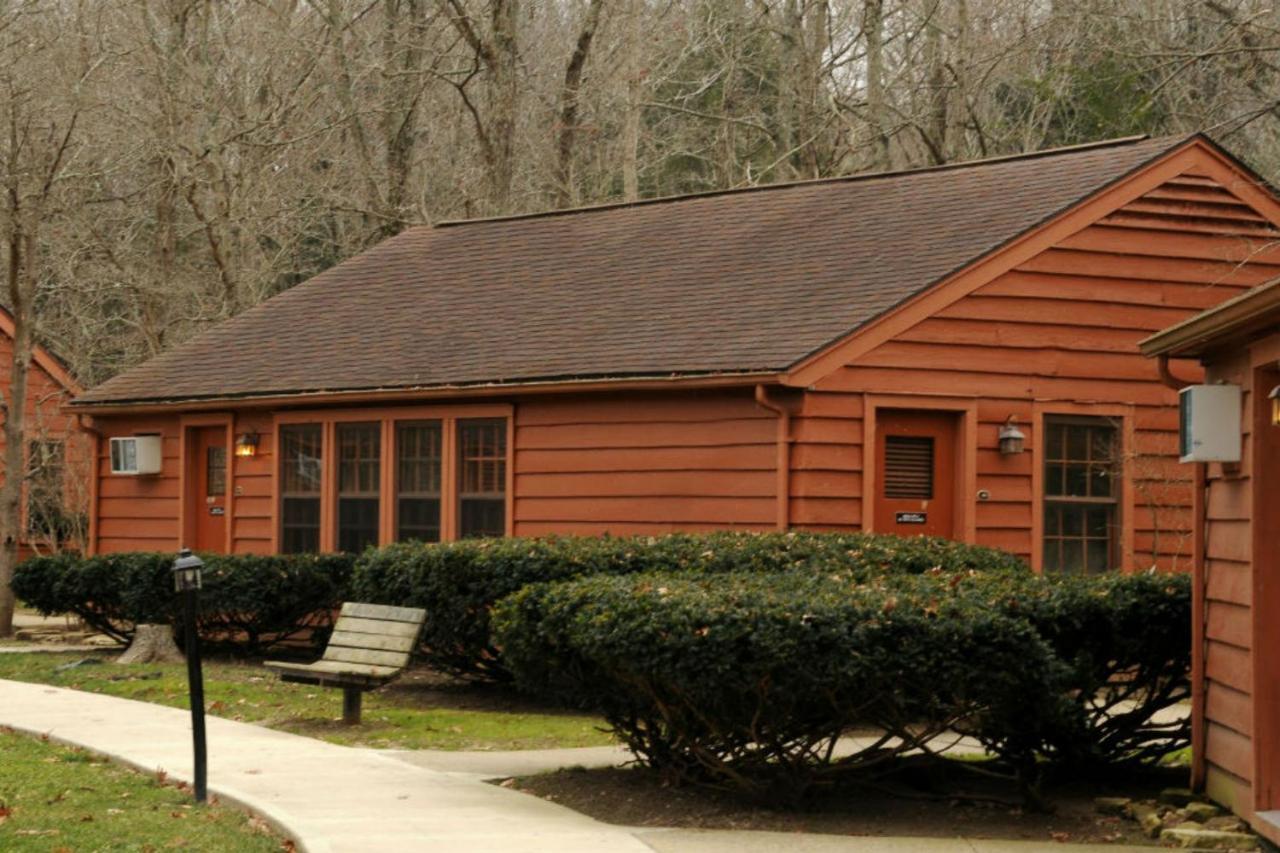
x: 139, y: 513
x: 1240, y: 678
x: 1227, y: 618
x: 595, y: 464
x: 644, y: 464
x: 1057, y: 333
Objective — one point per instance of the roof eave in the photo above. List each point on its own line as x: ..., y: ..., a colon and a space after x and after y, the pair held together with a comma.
x: 328, y: 398
x: 1194, y: 336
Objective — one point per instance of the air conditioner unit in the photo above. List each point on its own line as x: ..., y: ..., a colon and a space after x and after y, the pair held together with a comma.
x: 135, y: 455
x: 1209, y: 428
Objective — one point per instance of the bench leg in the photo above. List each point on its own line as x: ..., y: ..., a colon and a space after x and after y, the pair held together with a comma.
x: 351, y: 705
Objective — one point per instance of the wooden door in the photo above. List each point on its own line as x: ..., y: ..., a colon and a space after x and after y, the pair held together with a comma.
x: 207, y: 499
x: 916, y: 465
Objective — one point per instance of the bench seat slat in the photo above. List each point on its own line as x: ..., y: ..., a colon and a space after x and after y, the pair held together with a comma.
x: 328, y: 672
x: 374, y: 626
x: 384, y: 612
x: 354, y: 640
x: 371, y: 657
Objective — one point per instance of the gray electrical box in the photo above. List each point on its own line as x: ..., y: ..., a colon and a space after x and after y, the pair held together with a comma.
x: 1209, y: 426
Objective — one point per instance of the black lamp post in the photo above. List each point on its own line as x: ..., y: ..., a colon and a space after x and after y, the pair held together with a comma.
x: 186, y: 580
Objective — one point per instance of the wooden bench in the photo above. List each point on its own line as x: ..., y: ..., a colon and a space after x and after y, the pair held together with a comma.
x: 370, y: 646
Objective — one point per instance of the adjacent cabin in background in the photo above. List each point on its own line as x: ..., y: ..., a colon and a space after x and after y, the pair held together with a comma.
x: 950, y: 351
x: 55, y: 500
x: 1235, y: 669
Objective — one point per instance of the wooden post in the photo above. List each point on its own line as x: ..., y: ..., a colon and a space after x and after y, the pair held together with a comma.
x: 351, y: 705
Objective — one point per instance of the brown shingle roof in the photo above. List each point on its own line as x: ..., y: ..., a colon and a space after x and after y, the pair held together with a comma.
x: 717, y: 283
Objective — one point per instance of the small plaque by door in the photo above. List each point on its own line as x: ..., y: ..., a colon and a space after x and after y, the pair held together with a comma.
x: 912, y: 518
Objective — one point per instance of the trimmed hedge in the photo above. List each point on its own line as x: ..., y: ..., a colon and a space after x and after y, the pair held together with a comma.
x: 747, y: 681
x: 248, y: 603
x: 459, y: 583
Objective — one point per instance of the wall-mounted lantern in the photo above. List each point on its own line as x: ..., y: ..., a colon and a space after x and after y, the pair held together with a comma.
x: 247, y: 444
x: 1012, y: 439
x: 1275, y: 405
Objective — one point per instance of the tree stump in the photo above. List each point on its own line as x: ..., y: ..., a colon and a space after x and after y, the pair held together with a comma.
x: 152, y: 644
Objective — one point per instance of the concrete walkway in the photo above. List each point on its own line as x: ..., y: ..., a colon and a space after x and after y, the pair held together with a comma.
x: 328, y: 797
x: 335, y: 799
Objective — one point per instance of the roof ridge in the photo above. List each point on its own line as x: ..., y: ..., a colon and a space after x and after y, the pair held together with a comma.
x: 782, y: 185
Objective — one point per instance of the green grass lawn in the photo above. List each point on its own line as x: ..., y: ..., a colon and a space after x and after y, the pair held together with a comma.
x: 56, y: 798
x: 420, y: 711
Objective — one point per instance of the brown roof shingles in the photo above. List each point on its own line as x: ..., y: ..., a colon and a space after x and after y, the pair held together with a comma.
x: 719, y: 283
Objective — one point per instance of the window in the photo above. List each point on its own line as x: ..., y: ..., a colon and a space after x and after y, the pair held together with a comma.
x: 426, y: 474
x: 418, y: 469
x: 300, y: 467
x: 1080, y: 495
x: 482, y: 477
x: 45, y: 515
x: 359, y: 462
x: 215, y: 471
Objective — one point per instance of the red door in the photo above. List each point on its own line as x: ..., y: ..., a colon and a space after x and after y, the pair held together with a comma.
x: 208, y: 498
x: 916, y: 461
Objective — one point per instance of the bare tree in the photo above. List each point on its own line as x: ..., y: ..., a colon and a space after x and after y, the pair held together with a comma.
x: 39, y: 155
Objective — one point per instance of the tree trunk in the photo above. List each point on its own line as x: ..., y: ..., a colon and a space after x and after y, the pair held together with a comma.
x: 152, y: 644
x: 21, y: 246
x: 873, y: 27
x: 563, y: 194
x: 503, y: 101
x: 631, y: 120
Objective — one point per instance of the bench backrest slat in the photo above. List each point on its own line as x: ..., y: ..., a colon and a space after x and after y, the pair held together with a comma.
x: 381, y: 642
x: 384, y: 612
x: 374, y: 635
x: 355, y: 625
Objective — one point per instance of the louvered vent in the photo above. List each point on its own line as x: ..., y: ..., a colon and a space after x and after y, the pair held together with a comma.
x: 908, y: 467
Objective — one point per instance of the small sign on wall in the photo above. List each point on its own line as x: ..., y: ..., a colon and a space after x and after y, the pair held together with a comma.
x: 217, y: 510
x: 912, y: 517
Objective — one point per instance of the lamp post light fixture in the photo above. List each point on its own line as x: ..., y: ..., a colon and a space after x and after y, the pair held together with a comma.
x: 187, y: 570
x: 1012, y: 439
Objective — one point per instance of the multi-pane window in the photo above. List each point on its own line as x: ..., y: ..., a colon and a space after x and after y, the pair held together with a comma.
x: 421, y: 475
x: 482, y: 477
x: 1081, y: 494
x: 359, y: 463
x: 419, y: 459
x: 45, y: 466
x: 215, y: 471
x: 300, y: 467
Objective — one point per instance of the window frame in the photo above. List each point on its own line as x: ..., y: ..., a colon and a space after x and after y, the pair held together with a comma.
x: 1122, y: 417
x: 460, y: 471
x: 280, y: 495
x: 388, y: 418
x: 375, y: 431
x: 398, y: 427
x: 1086, y: 502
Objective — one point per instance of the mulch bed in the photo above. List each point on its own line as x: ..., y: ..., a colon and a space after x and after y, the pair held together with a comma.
x: 637, y: 797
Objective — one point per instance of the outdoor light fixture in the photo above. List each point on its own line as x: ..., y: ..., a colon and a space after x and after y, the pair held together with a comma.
x: 1012, y: 439
x: 1275, y: 405
x: 247, y: 444
x: 187, y: 571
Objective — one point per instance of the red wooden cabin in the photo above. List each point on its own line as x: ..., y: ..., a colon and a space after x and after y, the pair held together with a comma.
x: 835, y: 354
x: 56, y: 493
x: 1236, y: 679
